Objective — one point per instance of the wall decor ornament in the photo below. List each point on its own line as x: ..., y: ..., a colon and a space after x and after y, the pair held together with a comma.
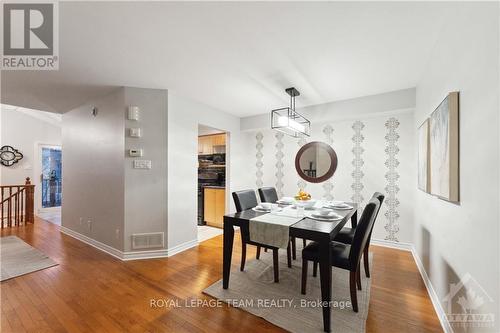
x: 258, y: 155
x: 328, y: 185
x: 392, y: 177
x: 316, y: 162
x: 9, y: 155
x: 279, y: 163
x: 357, y: 162
x: 444, y: 149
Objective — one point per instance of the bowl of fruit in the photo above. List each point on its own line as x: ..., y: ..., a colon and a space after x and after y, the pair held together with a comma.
x: 303, y: 199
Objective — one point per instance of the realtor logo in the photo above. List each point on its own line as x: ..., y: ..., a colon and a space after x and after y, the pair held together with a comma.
x: 29, y: 36
x: 465, y: 303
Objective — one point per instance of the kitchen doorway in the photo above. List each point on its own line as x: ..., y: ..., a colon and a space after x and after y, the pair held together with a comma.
x: 211, y: 181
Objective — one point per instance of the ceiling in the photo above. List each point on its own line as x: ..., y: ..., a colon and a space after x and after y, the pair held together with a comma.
x: 237, y: 57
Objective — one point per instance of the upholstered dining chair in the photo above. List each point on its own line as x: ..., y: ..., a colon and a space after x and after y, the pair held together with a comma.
x: 244, y: 200
x: 346, y: 235
x: 269, y: 194
x: 345, y: 256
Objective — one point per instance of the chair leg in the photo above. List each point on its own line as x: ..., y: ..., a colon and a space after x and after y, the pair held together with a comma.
x: 352, y: 287
x: 243, y: 255
x: 365, y: 259
x: 289, y: 255
x: 304, y: 276
x: 294, y: 248
x: 258, y: 253
x: 275, y: 266
x: 304, y: 242
x: 358, y: 277
x: 315, y: 268
x: 265, y: 249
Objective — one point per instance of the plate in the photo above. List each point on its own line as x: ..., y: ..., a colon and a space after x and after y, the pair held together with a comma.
x: 325, y: 219
x: 259, y: 209
x: 343, y: 207
x: 331, y: 216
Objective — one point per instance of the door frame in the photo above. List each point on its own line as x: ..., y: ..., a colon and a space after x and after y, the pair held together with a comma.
x: 37, y: 173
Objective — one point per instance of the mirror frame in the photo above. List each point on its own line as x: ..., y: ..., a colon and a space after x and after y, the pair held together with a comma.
x: 333, y: 162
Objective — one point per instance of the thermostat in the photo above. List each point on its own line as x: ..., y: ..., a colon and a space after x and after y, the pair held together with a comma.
x: 135, y: 132
x: 133, y: 113
x: 135, y: 152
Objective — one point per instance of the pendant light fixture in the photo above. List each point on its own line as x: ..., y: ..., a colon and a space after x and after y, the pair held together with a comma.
x: 289, y: 121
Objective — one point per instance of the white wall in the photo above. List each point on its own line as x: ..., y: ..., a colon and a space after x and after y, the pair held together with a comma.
x: 146, y: 190
x: 93, y: 170
x: 99, y: 182
x: 373, y: 158
x: 456, y: 239
x: 184, y: 117
x: 23, y: 132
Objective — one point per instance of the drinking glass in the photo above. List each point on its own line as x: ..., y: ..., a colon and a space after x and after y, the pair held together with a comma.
x: 300, y: 211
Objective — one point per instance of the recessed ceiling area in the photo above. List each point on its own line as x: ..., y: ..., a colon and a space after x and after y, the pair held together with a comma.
x: 236, y: 57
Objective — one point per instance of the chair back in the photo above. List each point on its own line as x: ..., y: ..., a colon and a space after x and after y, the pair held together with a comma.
x: 244, y: 200
x: 380, y: 198
x: 268, y: 194
x: 363, y: 230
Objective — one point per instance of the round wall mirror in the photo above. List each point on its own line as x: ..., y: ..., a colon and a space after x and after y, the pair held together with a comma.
x: 316, y: 162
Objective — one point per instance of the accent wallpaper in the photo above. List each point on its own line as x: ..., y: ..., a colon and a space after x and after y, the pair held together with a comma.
x: 375, y: 154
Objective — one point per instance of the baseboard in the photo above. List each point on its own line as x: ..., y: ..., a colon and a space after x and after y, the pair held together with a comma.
x: 140, y: 255
x: 393, y: 245
x: 428, y: 284
x: 129, y: 255
x: 182, y: 247
x: 445, y: 324
x: 92, y: 242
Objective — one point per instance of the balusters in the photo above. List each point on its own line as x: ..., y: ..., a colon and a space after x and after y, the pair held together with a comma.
x: 17, y: 204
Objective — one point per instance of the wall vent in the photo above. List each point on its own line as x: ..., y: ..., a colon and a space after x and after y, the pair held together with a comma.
x: 147, y: 240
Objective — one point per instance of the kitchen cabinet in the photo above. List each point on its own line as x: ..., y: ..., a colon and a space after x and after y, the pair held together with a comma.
x: 206, y: 143
x: 214, y: 206
x: 219, y: 140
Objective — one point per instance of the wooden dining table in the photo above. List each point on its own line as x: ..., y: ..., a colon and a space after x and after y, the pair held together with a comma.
x: 322, y: 232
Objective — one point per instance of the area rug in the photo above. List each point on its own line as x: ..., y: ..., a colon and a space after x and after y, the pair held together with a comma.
x: 282, y: 303
x: 19, y: 258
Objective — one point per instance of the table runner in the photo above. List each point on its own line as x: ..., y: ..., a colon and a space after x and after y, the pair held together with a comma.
x: 272, y: 229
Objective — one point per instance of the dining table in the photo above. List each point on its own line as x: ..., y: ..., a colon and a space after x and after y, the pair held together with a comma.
x: 322, y: 232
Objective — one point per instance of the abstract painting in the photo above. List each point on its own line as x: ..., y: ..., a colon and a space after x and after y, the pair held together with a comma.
x: 444, y: 131
x: 424, y: 180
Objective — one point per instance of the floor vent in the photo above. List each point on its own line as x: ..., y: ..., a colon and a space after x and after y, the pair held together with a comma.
x: 147, y: 241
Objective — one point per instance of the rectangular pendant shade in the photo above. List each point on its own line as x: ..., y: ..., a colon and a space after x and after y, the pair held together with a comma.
x: 290, y: 122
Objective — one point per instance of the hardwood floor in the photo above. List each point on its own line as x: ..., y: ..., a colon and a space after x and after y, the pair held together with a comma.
x: 91, y: 291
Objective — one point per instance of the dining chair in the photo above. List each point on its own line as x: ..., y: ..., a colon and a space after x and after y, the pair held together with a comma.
x: 268, y: 194
x: 244, y: 200
x: 345, y: 256
x: 346, y: 235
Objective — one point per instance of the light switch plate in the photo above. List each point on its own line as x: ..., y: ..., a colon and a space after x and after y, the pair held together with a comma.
x: 135, y: 132
x: 142, y: 164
